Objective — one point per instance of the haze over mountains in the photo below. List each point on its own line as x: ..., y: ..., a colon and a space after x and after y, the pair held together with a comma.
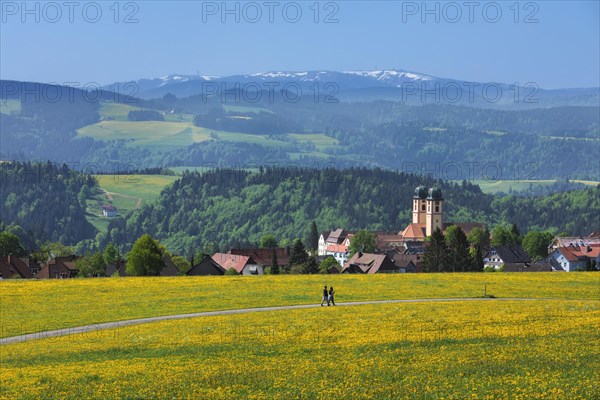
x: 394, y: 85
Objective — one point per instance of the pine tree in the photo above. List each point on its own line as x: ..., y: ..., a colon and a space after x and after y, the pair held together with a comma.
x: 274, y: 263
x: 458, y: 250
x: 298, y: 255
x: 313, y: 238
x: 435, y: 258
x: 476, y: 259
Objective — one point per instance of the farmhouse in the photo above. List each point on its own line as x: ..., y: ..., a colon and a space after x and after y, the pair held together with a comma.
x: 59, y: 268
x: 510, y: 257
x: 566, y: 241
x: 369, y: 263
x: 263, y: 257
x: 244, y: 265
x: 575, y: 257
x: 206, y: 267
x: 109, y: 211
x: 14, y: 267
x: 339, y: 252
x: 337, y: 237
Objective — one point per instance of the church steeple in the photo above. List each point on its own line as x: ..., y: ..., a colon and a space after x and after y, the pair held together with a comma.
x: 419, y: 205
x: 435, y: 211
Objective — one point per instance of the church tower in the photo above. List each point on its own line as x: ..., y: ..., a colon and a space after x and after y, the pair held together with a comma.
x: 419, y: 205
x: 435, y: 211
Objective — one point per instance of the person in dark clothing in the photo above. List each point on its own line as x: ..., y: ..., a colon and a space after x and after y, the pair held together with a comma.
x: 330, y: 298
x: 325, y: 296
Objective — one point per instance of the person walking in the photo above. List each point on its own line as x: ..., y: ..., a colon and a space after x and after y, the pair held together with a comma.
x: 325, y: 296
x: 330, y: 298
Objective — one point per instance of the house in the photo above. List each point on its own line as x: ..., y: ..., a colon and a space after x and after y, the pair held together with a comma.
x: 339, y: 252
x: 406, y: 262
x: 170, y: 269
x: 339, y: 236
x: 244, y: 265
x: 109, y: 211
x: 59, y: 268
x: 119, y: 269
x: 322, y: 247
x: 511, y: 257
x: 566, y: 241
x: 428, y: 215
x: 385, y: 241
x: 575, y: 257
x: 14, y: 267
x: 263, y: 256
x: 369, y: 263
x: 206, y: 267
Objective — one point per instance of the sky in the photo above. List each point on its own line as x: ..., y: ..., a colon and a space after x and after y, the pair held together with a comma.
x: 554, y: 44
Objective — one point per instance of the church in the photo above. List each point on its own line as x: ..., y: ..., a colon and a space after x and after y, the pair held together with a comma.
x: 428, y: 215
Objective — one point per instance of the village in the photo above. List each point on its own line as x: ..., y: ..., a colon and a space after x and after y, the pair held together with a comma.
x: 393, y: 252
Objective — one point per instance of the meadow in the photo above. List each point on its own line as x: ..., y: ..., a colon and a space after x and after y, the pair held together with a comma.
x: 39, y: 305
x: 496, y: 186
x: 451, y: 350
x: 126, y: 192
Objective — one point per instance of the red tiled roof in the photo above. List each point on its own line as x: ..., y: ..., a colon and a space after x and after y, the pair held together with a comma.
x: 228, y: 261
x: 337, y: 248
x: 263, y: 256
x: 568, y: 254
x: 369, y: 263
x: 414, y: 231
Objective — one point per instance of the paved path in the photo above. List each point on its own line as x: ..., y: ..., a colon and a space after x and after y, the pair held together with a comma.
x: 118, y: 324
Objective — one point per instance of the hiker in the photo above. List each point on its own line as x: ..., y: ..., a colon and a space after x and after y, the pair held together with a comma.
x: 330, y: 298
x: 325, y: 296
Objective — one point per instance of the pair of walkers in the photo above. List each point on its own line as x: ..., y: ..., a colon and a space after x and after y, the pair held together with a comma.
x: 328, y: 295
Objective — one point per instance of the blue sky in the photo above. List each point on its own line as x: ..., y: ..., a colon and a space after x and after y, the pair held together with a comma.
x: 552, y: 43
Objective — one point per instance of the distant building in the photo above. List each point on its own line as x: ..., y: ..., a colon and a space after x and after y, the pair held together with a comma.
x: 59, y: 268
x: 15, y: 267
x: 339, y: 252
x: 369, y: 263
x: 575, y: 257
x: 263, y: 257
x: 566, y: 241
x: 428, y: 215
x: 244, y: 265
x: 511, y: 257
x: 109, y: 211
x: 206, y: 267
x: 339, y: 237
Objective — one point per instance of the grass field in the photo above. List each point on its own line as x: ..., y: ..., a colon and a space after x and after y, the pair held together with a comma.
x: 128, y: 192
x: 454, y: 350
x: 489, y: 186
x: 10, y: 106
x: 152, y: 135
x: 32, y: 306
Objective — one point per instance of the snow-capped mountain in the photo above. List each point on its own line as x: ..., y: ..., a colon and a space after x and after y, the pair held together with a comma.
x: 394, y: 85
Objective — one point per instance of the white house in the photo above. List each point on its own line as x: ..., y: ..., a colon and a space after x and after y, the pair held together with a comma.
x: 109, y: 211
x: 339, y: 252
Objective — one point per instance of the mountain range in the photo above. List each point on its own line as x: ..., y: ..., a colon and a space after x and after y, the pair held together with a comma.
x: 394, y: 85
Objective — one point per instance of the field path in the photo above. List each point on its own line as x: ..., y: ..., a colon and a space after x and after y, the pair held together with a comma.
x: 109, y: 196
x: 118, y: 324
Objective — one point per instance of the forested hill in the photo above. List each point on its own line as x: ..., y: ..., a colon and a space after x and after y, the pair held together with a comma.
x: 226, y: 208
x: 46, y: 200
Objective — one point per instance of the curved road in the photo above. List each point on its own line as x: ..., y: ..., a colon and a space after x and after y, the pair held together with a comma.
x: 118, y: 324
